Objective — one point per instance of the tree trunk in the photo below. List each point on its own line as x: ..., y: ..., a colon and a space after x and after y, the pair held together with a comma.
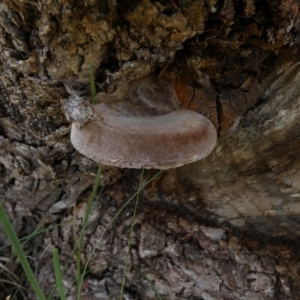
x: 225, y: 227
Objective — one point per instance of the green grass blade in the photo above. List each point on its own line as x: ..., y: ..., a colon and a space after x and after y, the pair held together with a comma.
x: 50, y: 296
x: 38, y: 230
x: 24, y: 240
x: 112, y: 221
x: 58, y: 275
x: 93, y: 85
x: 130, y: 237
x: 9, y: 229
x: 82, y: 231
x: 152, y: 286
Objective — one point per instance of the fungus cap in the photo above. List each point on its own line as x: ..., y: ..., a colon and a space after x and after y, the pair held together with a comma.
x: 161, y: 142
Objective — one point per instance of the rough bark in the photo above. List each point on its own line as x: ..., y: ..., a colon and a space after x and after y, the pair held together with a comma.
x: 225, y: 227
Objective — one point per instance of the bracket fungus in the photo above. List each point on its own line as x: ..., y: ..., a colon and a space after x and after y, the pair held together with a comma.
x: 163, y: 141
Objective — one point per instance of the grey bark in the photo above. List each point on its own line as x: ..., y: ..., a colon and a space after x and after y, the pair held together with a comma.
x: 223, y: 228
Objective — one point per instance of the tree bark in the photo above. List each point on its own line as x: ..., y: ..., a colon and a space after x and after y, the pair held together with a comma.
x: 225, y: 227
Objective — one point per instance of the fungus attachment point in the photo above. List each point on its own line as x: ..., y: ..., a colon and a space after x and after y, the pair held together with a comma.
x: 145, y: 130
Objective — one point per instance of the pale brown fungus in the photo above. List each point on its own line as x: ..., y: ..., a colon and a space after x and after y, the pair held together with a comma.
x: 163, y: 141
